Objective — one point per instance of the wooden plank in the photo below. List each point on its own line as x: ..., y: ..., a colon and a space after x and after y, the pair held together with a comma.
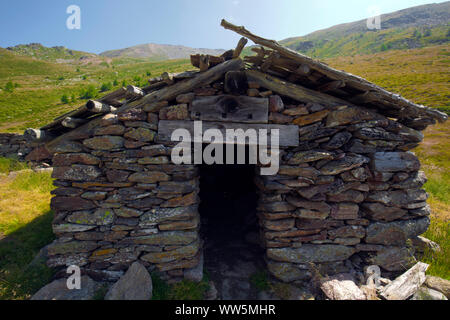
x: 407, y: 284
x: 289, y: 134
x: 230, y: 108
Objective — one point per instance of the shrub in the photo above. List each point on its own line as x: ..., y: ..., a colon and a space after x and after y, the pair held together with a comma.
x: 64, y: 99
x: 89, y: 93
x: 105, y: 87
x: 9, y: 87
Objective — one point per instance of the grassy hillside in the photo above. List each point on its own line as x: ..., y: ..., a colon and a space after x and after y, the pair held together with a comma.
x: 420, y: 75
x: 416, y: 27
x: 31, y: 90
x: 367, y: 42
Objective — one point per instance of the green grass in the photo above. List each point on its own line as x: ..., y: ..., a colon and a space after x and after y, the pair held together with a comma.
x: 439, y: 232
x: 42, y: 84
x: 326, y: 45
x: 260, y: 280
x: 183, y: 290
x: 7, y: 165
x: 25, y: 227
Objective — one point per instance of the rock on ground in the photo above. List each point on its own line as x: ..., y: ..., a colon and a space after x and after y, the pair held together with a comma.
x: 57, y: 290
x: 425, y: 293
x: 438, y: 284
x: 342, y: 287
x: 136, y: 284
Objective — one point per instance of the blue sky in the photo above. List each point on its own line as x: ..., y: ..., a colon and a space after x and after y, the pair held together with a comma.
x: 115, y: 24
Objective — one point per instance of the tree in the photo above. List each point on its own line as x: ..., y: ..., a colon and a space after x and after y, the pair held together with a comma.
x: 115, y: 83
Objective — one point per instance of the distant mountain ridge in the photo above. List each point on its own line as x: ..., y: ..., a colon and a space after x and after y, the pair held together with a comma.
x: 409, y: 28
x: 58, y: 54
x: 159, y: 52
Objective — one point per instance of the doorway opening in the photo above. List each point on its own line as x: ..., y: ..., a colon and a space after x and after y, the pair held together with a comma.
x: 230, y: 228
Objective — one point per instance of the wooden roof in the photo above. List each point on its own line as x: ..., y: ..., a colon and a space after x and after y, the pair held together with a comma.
x: 274, y: 67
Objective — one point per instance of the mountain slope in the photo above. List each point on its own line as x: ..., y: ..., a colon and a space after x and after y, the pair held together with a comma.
x: 159, y: 52
x: 414, y: 27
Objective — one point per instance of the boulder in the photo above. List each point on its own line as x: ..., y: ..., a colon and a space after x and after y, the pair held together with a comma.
x: 135, y: 284
x: 438, y: 284
x: 342, y: 287
x: 425, y: 293
x: 57, y: 290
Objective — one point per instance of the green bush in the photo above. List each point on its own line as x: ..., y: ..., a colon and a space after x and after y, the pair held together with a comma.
x: 88, y: 93
x: 64, y: 99
x: 9, y: 87
x: 105, y: 87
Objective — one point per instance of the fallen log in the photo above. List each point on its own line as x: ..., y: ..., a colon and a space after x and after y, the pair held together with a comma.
x: 407, y: 284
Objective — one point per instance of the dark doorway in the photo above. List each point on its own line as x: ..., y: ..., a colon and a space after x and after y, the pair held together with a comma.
x: 228, y: 202
x: 230, y: 229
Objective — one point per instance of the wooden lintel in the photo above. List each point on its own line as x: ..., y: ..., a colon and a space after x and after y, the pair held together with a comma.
x: 288, y: 134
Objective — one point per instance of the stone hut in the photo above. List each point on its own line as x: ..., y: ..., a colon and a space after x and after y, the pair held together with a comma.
x: 348, y: 192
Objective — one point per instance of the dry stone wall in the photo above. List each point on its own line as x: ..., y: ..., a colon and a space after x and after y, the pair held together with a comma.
x: 17, y: 147
x: 349, y: 195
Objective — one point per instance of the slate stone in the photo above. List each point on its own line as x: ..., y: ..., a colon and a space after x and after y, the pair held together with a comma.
x: 57, y: 290
x: 311, y: 253
x: 104, y: 143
